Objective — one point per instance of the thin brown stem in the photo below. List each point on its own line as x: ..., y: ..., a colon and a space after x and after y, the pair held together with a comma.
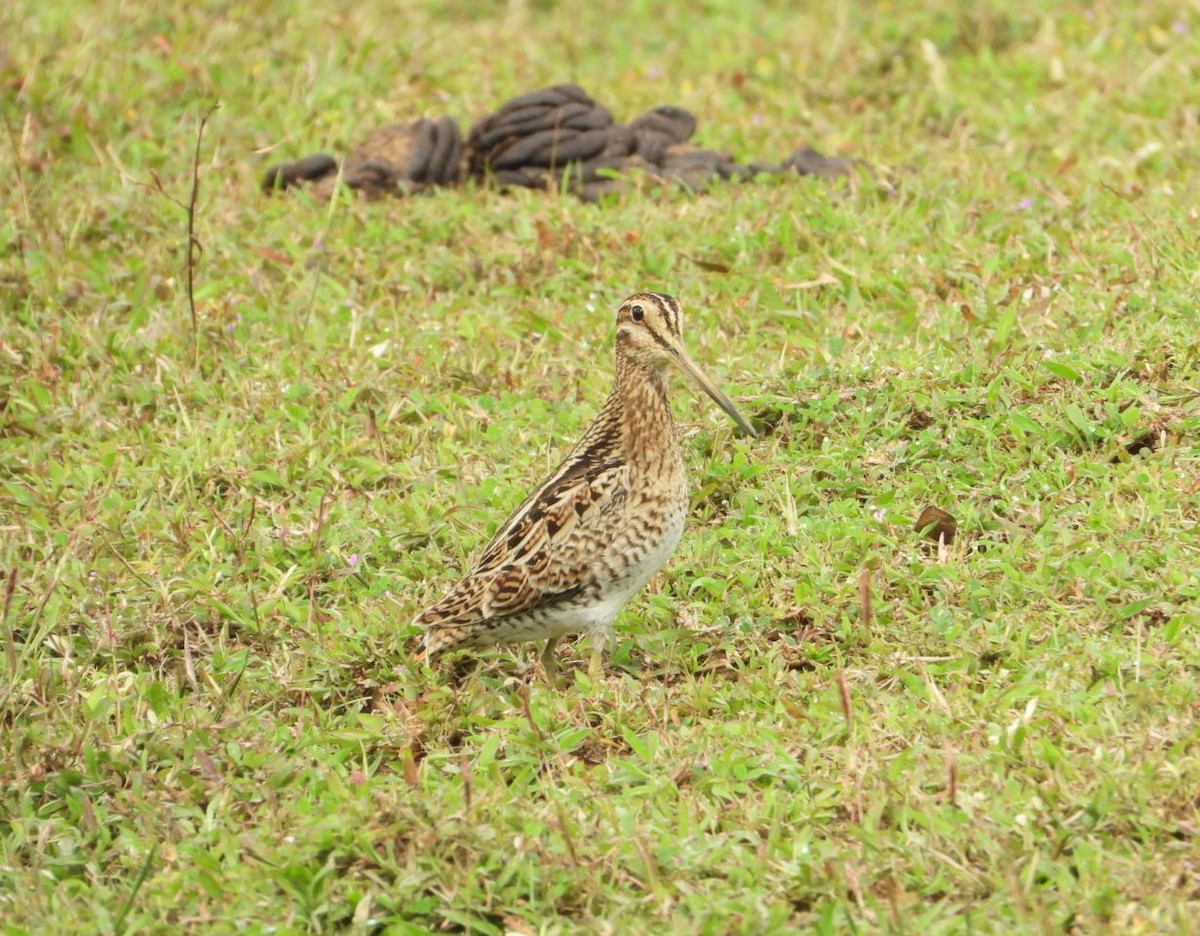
x: 194, y: 246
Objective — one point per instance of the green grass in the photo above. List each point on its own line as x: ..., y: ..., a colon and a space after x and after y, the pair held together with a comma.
x: 209, y: 716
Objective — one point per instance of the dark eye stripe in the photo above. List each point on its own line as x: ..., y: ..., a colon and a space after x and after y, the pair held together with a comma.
x: 660, y: 340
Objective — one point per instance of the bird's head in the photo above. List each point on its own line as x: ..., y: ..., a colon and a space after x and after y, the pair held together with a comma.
x: 649, y: 332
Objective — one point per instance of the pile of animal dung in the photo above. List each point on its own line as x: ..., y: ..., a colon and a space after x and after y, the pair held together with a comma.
x: 557, y: 138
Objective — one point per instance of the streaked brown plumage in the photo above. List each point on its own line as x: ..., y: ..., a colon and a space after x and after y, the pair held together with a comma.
x: 596, y: 530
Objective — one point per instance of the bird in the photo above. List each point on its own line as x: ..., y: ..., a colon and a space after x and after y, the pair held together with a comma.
x: 595, y: 531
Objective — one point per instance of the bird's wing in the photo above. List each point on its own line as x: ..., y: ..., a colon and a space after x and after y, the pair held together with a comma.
x: 546, y: 550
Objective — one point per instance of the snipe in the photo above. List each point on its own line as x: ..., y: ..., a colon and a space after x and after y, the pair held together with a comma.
x: 595, y: 531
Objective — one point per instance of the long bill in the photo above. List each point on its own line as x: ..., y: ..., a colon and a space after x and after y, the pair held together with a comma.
x: 692, y: 369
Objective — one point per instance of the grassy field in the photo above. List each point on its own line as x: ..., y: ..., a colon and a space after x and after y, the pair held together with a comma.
x: 815, y: 719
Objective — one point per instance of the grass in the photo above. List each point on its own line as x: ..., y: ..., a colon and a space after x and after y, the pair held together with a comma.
x: 815, y: 720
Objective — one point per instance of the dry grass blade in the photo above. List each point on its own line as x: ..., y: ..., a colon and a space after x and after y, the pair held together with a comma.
x: 844, y: 699
x: 866, y: 613
x: 10, y: 647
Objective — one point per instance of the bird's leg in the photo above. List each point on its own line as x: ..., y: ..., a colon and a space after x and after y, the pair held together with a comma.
x: 549, y: 662
x: 596, y: 660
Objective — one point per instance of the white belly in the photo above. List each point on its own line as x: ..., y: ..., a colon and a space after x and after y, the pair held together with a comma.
x: 600, y: 615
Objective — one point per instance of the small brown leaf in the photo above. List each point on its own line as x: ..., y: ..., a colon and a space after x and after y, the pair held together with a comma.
x: 713, y: 266
x: 918, y: 419
x: 799, y: 619
x: 208, y: 767
x: 941, y: 525
x: 545, y: 236
x: 1148, y: 440
x: 408, y: 763
x: 268, y: 254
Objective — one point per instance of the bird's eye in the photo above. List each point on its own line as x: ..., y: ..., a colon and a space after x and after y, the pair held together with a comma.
x: 638, y: 313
